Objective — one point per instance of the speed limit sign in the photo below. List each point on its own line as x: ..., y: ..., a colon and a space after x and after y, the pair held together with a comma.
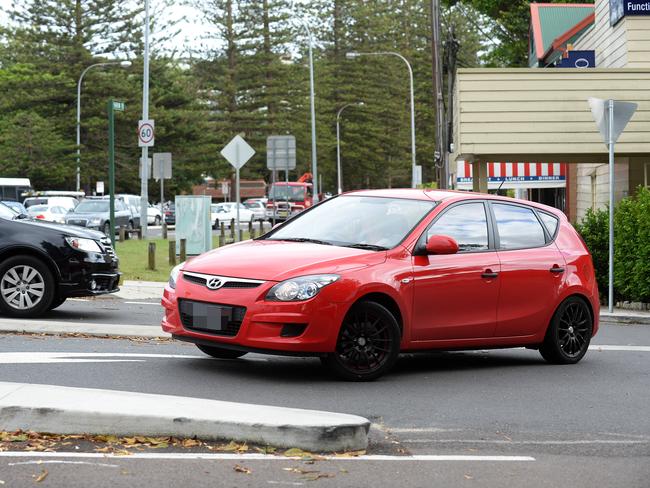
x: 145, y: 133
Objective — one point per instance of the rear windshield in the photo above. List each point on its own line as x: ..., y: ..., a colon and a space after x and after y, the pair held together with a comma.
x: 92, y: 206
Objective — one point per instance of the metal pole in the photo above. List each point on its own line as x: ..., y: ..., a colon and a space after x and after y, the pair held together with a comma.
x: 81, y: 77
x: 111, y: 169
x: 410, y: 70
x: 338, y: 153
x: 314, y: 165
x: 237, y: 194
x: 611, y: 206
x: 144, y: 190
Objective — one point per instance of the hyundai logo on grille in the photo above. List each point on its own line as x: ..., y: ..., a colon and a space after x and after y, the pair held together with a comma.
x: 214, y: 283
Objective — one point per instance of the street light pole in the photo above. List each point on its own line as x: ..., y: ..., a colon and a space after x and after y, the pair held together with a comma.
x: 144, y: 161
x: 314, y: 163
x: 339, y: 178
x: 124, y: 64
x: 354, y: 55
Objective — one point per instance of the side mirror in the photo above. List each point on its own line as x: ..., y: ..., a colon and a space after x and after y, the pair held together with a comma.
x: 440, y: 244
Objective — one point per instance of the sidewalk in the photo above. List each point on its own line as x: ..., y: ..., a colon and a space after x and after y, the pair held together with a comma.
x: 622, y: 316
x: 141, y: 290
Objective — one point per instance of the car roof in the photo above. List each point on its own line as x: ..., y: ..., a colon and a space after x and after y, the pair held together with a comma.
x: 449, y: 195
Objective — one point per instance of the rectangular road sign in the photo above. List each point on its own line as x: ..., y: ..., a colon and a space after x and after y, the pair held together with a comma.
x: 162, y: 166
x: 119, y: 106
x: 146, y: 133
x: 281, y: 153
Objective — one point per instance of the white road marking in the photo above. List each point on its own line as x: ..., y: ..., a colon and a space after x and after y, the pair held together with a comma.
x: 182, y: 456
x: 95, y: 357
x: 64, y: 462
x: 530, y: 442
x: 157, y: 304
x: 599, y: 347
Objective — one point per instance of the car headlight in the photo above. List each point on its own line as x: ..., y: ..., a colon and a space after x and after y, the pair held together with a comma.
x: 301, y: 288
x: 81, y: 244
x: 95, y: 220
x: 173, y: 276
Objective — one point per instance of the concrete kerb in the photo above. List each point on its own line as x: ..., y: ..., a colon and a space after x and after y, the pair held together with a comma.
x: 141, y: 290
x: 66, y: 410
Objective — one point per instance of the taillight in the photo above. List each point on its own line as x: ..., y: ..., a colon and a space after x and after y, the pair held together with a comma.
x: 42, y: 217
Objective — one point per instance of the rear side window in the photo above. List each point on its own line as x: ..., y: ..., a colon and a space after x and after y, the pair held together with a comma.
x: 518, y: 227
x: 550, y: 222
x: 467, y: 224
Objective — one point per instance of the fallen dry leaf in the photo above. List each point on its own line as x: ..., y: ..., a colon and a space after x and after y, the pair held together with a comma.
x: 350, y: 454
x: 468, y: 477
x: 41, y: 476
x: 317, y: 476
x: 241, y: 469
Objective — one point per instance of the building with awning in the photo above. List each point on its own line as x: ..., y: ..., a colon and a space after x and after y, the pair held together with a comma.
x: 542, y: 115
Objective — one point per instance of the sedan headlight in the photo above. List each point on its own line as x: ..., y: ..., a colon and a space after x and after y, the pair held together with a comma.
x: 81, y: 244
x: 95, y: 221
x: 173, y: 276
x: 301, y: 288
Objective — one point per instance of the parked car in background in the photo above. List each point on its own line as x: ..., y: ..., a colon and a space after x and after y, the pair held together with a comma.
x: 94, y: 213
x: 226, y: 212
x: 258, y: 208
x: 154, y: 215
x: 17, y: 206
x: 132, y: 203
x: 42, y: 264
x: 51, y: 213
x: 364, y: 276
x: 67, y: 203
x: 170, y: 214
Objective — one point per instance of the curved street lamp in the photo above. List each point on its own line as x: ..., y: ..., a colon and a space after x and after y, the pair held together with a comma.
x: 123, y: 64
x: 338, y: 143
x: 354, y: 55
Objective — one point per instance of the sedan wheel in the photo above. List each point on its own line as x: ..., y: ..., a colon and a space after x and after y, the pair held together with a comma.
x: 217, y: 352
x: 568, y: 336
x: 156, y: 220
x: 368, y: 343
x: 26, y: 287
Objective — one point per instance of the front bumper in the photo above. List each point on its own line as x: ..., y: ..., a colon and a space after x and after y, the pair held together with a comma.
x: 89, y: 275
x: 265, y: 324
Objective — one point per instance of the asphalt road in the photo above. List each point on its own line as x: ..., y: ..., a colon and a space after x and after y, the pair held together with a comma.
x: 584, y: 425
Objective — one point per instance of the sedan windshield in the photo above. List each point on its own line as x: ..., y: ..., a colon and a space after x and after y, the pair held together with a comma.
x: 92, y: 206
x: 373, y: 223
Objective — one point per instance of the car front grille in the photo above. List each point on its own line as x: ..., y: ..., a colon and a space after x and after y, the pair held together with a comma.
x: 108, y: 247
x: 226, y: 319
x: 201, y: 279
x: 105, y: 282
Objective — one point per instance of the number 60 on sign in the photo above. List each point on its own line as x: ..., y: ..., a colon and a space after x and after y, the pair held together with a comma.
x: 145, y: 133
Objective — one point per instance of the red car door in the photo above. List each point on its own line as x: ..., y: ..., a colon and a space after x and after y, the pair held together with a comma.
x: 456, y: 295
x: 532, y: 270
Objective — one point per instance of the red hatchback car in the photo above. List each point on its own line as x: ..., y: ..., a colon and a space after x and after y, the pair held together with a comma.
x: 366, y: 275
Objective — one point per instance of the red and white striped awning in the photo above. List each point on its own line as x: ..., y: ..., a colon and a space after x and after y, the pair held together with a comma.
x: 515, y: 175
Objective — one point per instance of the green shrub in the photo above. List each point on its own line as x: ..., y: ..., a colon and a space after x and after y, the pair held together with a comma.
x: 631, y: 247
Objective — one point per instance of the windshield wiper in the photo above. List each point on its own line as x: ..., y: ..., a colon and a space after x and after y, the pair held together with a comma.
x: 302, y: 239
x: 370, y: 247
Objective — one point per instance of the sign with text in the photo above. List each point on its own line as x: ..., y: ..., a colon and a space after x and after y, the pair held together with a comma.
x: 145, y: 133
x: 627, y: 8
x: 578, y: 59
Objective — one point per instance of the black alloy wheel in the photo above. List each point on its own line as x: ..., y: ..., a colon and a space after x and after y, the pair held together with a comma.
x: 569, y: 333
x: 368, y: 343
x: 219, y: 353
x: 156, y: 220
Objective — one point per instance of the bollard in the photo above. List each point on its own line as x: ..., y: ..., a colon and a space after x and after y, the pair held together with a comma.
x: 182, y: 257
x: 240, y: 233
x: 222, y: 235
x: 164, y: 230
x: 172, y: 253
x: 250, y: 230
x: 261, y: 226
x: 122, y: 233
x: 232, y: 229
x: 152, y: 255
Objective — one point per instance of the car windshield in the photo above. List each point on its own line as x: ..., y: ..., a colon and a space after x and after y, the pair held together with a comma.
x: 37, y: 208
x: 373, y: 223
x: 284, y: 192
x: 7, y: 213
x: 92, y: 206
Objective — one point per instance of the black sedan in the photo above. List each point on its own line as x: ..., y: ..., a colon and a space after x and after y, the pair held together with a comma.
x: 43, y: 263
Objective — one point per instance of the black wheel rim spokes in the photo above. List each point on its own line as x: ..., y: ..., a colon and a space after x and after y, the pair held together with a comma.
x: 365, y: 342
x: 573, y: 330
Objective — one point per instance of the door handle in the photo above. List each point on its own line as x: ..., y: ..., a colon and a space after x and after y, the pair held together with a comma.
x: 557, y: 269
x: 488, y: 273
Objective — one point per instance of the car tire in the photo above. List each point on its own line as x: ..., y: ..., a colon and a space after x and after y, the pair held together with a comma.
x: 156, y: 220
x: 107, y: 229
x: 368, y: 343
x: 569, y: 333
x: 36, y: 282
x: 219, y: 353
x: 57, y: 302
